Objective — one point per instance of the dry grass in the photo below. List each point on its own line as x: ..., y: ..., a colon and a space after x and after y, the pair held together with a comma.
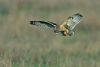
x: 22, y: 45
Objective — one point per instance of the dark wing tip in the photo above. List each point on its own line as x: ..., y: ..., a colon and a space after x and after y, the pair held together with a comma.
x: 32, y: 22
x: 78, y: 14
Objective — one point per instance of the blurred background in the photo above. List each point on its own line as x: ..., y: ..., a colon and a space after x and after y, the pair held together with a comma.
x: 23, y: 45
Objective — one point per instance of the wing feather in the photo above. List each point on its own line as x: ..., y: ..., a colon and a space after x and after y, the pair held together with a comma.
x: 72, y: 21
x: 43, y: 24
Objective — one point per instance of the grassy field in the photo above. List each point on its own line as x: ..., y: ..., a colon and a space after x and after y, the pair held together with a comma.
x: 22, y: 45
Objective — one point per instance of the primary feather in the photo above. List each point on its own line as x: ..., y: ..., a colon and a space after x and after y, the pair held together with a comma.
x: 43, y: 24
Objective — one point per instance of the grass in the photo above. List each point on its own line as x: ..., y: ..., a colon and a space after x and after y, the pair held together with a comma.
x: 22, y: 45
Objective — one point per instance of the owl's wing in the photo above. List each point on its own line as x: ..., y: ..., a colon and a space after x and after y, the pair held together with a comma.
x: 43, y: 24
x: 72, y: 21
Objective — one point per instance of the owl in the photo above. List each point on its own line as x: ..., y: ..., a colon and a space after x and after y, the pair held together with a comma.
x: 66, y: 28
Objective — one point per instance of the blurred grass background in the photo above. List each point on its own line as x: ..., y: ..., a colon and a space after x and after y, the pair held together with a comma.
x: 22, y: 45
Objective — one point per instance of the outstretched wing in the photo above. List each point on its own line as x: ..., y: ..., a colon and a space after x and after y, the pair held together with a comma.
x: 72, y: 21
x: 43, y: 24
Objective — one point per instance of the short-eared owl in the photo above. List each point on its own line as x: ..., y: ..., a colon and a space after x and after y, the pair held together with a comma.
x: 66, y: 28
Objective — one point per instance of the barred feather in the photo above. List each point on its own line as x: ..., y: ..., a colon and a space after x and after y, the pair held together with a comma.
x: 43, y: 24
x: 73, y: 21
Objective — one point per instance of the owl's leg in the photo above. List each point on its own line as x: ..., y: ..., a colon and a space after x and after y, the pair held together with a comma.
x: 64, y: 33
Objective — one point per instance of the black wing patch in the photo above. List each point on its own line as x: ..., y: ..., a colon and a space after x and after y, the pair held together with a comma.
x: 43, y: 24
